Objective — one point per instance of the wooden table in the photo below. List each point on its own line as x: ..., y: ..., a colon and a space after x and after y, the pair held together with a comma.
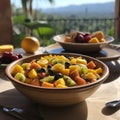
x: 92, y: 108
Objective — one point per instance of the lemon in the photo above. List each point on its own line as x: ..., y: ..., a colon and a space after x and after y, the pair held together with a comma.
x: 30, y: 44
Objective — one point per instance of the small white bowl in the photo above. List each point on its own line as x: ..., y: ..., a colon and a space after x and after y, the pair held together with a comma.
x: 81, y: 47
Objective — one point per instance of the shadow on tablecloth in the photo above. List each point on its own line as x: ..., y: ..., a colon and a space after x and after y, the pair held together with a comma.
x: 13, y: 98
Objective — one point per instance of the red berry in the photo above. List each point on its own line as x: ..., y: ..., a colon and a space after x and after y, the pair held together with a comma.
x: 86, y: 34
x: 80, y: 38
x: 19, y: 55
x: 0, y: 60
x: 82, y: 33
x: 87, y: 38
x: 14, y: 57
x: 42, y: 74
x: 7, y: 54
x: 4, y: 60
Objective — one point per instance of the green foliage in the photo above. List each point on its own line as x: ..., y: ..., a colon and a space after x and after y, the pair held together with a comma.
x: 111, y: 32
x: 44, y: 31
x: 18, y: 19
x: 44, y: 34
x: 17, y: 40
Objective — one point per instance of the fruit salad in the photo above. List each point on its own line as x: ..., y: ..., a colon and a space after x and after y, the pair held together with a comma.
x: 85, y: 37
x: 57, y: 71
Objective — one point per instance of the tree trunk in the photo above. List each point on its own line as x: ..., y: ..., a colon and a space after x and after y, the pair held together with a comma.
x: 6, y: 32
x: 117, y: 20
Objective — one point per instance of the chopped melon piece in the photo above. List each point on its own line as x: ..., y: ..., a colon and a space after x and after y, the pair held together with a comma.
x: 60, y: 81
x: 65, y: 71
x: 68, y: 39
x: 42, y: 62
x: 17, y: 69
x: 73, y: 61
x: 74, y: 67
x: 80, y: 60
x: 32, y: 74
x: 93, y: 40
x: 103, y: 40
x: 58, y: 67
x: 99, y: 70
x: 91, y: 76
x: 98, y: 34
x: 91, y: 65
x: 35, y: 82
x: 46, y: 84
x: 61, y: 86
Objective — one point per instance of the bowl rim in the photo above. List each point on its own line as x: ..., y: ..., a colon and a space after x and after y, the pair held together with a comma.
x: 111, y: 39
x: 82, y: 87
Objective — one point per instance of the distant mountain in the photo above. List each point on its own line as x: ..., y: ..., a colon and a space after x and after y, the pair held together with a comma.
x: 85, y: 9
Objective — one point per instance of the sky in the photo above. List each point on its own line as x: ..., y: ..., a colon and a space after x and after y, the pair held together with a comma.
x: 59, y: 3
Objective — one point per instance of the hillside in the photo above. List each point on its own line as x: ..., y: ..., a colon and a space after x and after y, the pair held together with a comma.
x: 99, y: 9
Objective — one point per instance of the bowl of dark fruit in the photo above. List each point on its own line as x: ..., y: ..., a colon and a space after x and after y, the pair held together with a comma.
x: 8, y: 57
x: 83, y: 42
x: 57, y: 79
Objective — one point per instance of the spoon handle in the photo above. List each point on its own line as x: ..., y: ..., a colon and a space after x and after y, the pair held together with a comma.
x: 19, y: 113
x: 15, y: 112
x: 115, y: 103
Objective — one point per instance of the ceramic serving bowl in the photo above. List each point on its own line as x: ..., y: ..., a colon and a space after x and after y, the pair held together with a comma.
x: 81, y: 47
x: 57, y: 96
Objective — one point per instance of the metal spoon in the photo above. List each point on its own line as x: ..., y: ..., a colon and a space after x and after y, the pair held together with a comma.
x: 115, y: 103
x: 16, y: 112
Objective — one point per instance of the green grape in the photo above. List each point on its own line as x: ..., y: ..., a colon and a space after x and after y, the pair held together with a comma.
x: 20, y: 77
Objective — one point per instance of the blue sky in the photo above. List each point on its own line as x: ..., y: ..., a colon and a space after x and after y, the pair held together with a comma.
x: 58, y: 3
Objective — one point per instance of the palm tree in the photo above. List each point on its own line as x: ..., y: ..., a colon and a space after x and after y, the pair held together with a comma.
x: 28, y: 8
x: 35, y: 26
